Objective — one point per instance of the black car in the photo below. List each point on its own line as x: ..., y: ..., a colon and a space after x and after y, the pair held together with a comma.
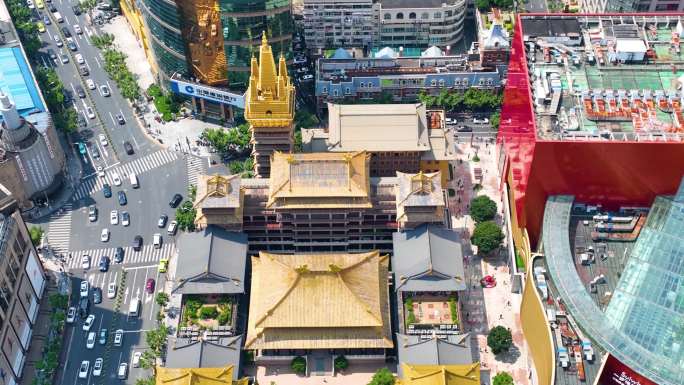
x: 82, y: 121
x: 104, y: 263
x: 51, y: 52
x: 76, y: 9
x: 176, y: 200
x: 72, y: 46
x: 52, y: 8
x: 122, y: 198
x: 464, y: 129
x: 119, y: 255
x: 97, y: 295
x: 83, y: 70
x: 83, y: 307
x: 107, y: 190
x: 162, y: 220
x: 80, y: 91
x: 94, y: 152
x: 128, y: 147
x: 137, y: 243
x: 120, y: 119
x: 66, y: 32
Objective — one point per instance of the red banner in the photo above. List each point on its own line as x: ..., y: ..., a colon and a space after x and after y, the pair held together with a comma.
x: 616, y: 373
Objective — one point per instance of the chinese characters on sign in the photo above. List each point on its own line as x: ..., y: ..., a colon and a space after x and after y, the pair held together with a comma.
x: 208, y: 93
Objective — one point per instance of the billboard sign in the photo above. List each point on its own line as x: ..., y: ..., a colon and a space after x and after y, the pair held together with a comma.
x: 616, y: 373
x: 213, y: 94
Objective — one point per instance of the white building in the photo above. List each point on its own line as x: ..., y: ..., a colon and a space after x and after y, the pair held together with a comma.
x: 619, y: 6
x: 340, y: 23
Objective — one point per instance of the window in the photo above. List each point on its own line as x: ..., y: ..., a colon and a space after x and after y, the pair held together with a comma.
x: 336, y: 93
x: 412, y: 15
x: 424, y: 15
x: 441, y: 82
x: 481, y: 82
x: 437, y: 15
x: 465, y: 82
x: 400, y: 16
x: 347, y: 91
x: 457, y: 82
x: 362, y: 85
x: 325, y: 90
x: 387, y: 16
x: 489, y: 82
x: 447, y: 13
x: 433, y: 82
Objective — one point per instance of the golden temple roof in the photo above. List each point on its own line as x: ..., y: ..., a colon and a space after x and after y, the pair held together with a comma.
x: 319, y: 301
x: 218, y: 200
x: 440, y: 374
x: 197, y: 376
x: 319, y: 180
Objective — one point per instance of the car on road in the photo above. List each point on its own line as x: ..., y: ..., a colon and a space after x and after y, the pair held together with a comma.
x: 105, y: 90
x: 176, y: 200
x: 114, y: 217
x: 97, y: 295
x: 163, y: 265
x: 92, y: 213
x: 66, y: 32
x: 64, y: 58
x: 91, y: 84
x: 116, y: 179
x: 90, y: 342
x: 464, y: 129
x: 103, y: 336
x: 307, y: 77
x: 77, y: 9
x: 77, y: 29
x: 103, y: 140
x: 118, y: 337
x: 83, y: 70
x: 302, y: 70
x: 82, y: 122
x: 104, y: 266
x: 97, y: 368
x: 85, y: 287
x: 136, y: 359
x: 83, y: 369
x: 82, y: 148
x: 107, y: 190
x: 122, y: 372
x: 88, y: 323
x: 30, y: 4
x: 46, y: 20
x: 128, y: 147
x: 90, y: 112
x: 149, y: 285
x: 41, y: 27
x: 104, y: 235
x: 111, y: 290
x: 173, y: 226
x: 83, y: 307
x: 80, y: 91
x: 480, y: 120
x: 120, y: 119
x: 137, y: 243
x: 125, y: 218
x: 122, y: 198
x: 79, y: 59
x: 300, y: 60
x: 71, y: 315
x: 162, y: 220
x: 157, y: 241
x: 71, y: 45
x: 52, y: 8
x: 58, y: 40
x: 100, y: 170
x: 51, y: 53
x: 85, y: 262
x: 119, y: 254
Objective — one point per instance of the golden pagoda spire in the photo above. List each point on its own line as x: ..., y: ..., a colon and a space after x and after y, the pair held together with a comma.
x: 267, y: 69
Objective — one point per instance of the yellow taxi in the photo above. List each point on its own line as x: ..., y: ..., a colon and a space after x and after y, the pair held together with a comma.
x: 163, y: 264
x: 40, y: 4
x: 41, y: 27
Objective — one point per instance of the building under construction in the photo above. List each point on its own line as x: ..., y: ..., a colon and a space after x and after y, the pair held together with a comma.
x: 321, y: 202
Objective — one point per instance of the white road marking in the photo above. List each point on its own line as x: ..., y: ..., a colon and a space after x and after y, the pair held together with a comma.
x: 112, y: 116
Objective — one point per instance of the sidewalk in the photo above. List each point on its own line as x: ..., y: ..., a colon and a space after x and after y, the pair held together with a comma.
x: 125, y: 41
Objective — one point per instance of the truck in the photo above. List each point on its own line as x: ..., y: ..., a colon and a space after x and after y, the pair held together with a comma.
x: 563, y: 357
x: 134, y: 307
x: 588, y: 351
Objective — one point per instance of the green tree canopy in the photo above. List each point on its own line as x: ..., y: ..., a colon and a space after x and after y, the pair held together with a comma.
x: 495, y: 119
x: 482, y: 208
x: 156, y: 339
x: 298, y: 365
x: 499, y: 339
x: 487, y: 237
x: 185, y: 216
x: 36, y: 234
x: 162, y: 299
x: 382, y: 377
x: 503, y: 378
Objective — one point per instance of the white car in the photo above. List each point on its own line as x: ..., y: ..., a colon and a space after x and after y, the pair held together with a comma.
x: 85, y: 289
x: 90, y: 342
x: 103, y: 139
x: 83, y: 369
x: 307, y: 77
x: 136, y: 359
x: 71, y: 315
x: 88, y: 323
x: 114, y: 217
x: 97, y: 367
x: 85, y: 262
x: 30, y: 4
x: 480, y: 121
x: 111, y: 290
x: 171, y: 230
x: 89, y: 82
x: 118, y: 337
x: 104, y: 235
x: 77, y: 29
x: 125, y: 218
x: 100, y: 172
x: 79, y: 59
x: 116, y: 179
x: 90, y: 112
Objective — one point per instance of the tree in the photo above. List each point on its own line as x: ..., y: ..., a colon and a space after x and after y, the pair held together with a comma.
x: 482, y: 208
x: 146, y: 381
x: 382, y: 377
x: 156, y: 339
x: 503, y: 378
x: 494, y: 119
x: 304, y: 119
x: 58, y: 301
x: 482, y: 5
x: 298, y: 365
x: 487, y: 237
x: 36, y: 234
x: 162, y: 299
x: 185, y: 216
x: 148, y: 360
x: 341, y: 363
x: 499, y: 339
x: 243, y: 168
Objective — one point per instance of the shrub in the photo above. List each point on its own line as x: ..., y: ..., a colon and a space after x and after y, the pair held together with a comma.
x: 503, y: 378
x: 454, y: 310
x: 224, y: 318
x: 298, y: 365
x: 487, y: 237
x: 36, y: 234
x: 482, y: 208
x: 208, y: 312
x: 499, y: 339
x: 341, y: 363
x: 382, y: 377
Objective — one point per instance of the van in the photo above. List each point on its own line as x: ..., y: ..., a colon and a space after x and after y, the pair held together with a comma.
x: 58, y: 17
x: 134, y: 180
x: 134, y: 307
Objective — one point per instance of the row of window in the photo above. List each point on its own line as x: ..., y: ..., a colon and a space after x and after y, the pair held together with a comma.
x: 413, y: 15
x: 433, y: 83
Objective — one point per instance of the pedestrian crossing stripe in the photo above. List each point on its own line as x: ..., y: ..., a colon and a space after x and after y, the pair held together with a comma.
x: 147, y: 254
x: 195, y: 166
x: 95, y: 183
x: 59, y: 230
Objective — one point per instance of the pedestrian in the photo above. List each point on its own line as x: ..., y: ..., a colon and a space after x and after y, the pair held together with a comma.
x: 500, y: 316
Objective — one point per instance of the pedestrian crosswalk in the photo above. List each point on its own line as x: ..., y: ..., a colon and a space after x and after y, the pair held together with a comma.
x: 94, y: 183
x: 59, y: 230
x: 195, y: 167
x: 148, y: 254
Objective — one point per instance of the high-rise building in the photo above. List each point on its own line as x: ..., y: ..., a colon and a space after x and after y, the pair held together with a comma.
x: 22, y: 282
x: 340, y: 23
x: 269, y: 108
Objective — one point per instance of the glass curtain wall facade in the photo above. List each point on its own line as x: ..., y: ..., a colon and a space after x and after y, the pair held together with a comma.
x: 243, y: 21
x: 163, y: 21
